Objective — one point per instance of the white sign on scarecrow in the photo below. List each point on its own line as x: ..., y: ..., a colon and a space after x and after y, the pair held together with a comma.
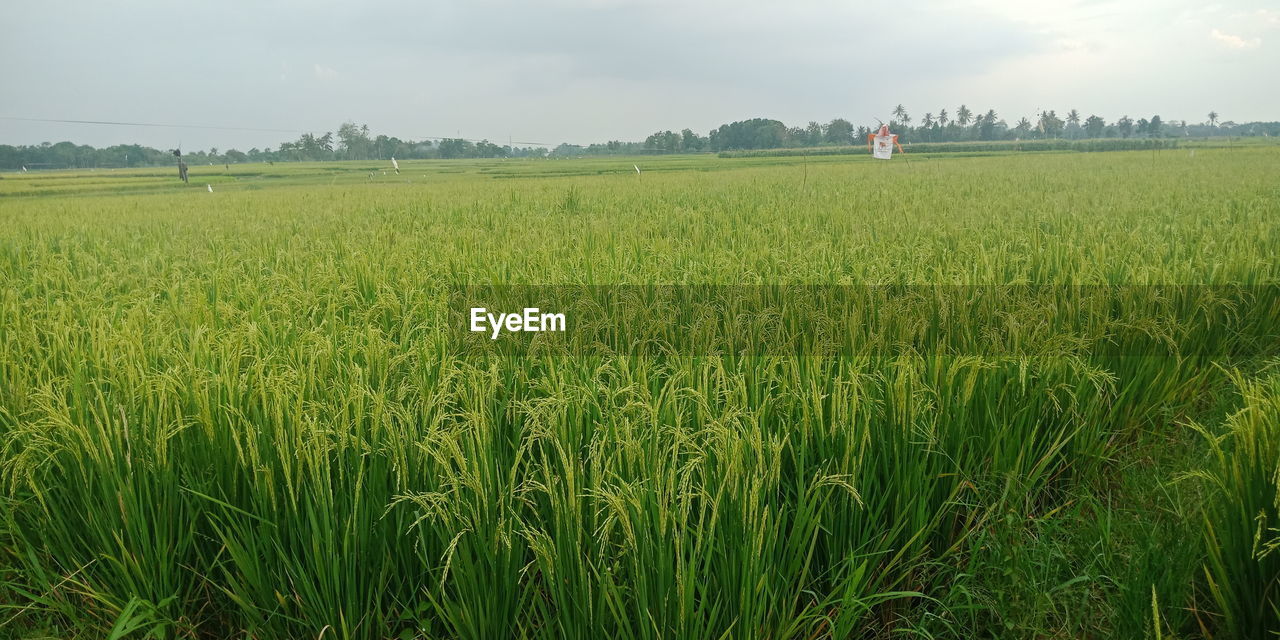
x: 881, y: 144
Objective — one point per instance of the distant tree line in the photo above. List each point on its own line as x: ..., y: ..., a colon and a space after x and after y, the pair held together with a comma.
x: 966, y: 125
x: 355, y: 142
x: 351, y: 142
x: 972, y: 146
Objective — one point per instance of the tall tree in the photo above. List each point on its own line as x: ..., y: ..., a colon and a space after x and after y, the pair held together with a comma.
x: 1050, y: 124
x: 691, y: 141
x: 1125, y: 126
x: 901, y: 115
x: 942, y: 118
x: 813, y: 134
x: 840, y: 131
x: 1073, y: 124
x: 756, y: 133
x: 963, y: 115
x: 666, y: 141
x: 353, y: 141
x: 1094, y: 126
x: 987, y: 130
x: 1213, y: 118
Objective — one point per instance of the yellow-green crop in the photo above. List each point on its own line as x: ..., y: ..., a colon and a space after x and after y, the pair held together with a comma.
x: 233, y: 414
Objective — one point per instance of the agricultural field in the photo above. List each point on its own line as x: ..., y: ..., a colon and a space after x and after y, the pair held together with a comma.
x: 234, y: 409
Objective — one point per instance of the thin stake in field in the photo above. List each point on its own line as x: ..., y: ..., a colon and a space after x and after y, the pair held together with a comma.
x: 182, y: 166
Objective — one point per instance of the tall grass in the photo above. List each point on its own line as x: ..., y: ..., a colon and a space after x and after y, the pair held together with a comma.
x: 237, y: 416
x: 1242, y: 526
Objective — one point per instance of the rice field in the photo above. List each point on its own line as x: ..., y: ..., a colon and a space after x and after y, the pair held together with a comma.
x: 238, y: 413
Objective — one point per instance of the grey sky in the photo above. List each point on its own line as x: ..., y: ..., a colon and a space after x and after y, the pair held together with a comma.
x: 593, y: 70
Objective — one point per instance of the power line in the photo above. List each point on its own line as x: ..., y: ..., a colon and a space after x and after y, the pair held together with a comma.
x: 221, y: 128
x: 151, y: 124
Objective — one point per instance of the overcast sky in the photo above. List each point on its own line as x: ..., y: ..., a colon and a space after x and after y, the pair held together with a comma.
x: 593, y: 70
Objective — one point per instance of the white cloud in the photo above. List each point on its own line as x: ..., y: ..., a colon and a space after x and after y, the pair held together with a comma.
x: 1073, y: 45
x: 1234, y: 41
x: 324, y: 73
x: 1269, y: 17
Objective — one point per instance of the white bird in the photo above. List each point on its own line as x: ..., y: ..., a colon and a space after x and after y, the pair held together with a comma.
x: 637, y: 168
x: 210, y: 187
x: 24, y: 168
x: 395, y: 165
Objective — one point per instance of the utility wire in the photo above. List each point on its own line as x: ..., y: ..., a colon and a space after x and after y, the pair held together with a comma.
x: 150, y: 124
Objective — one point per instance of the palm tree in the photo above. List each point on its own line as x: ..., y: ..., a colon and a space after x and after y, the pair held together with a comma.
x: 1073, y: 117
x: 963, y: 115
x: 928, y: 120
x: 1023, y: 129
x: 1213, y: 118
x: 1050, y: 124
x: 900, y: 112
x: 942, y: 118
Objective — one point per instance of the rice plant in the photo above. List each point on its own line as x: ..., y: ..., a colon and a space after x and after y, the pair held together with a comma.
x: 241, y: 413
